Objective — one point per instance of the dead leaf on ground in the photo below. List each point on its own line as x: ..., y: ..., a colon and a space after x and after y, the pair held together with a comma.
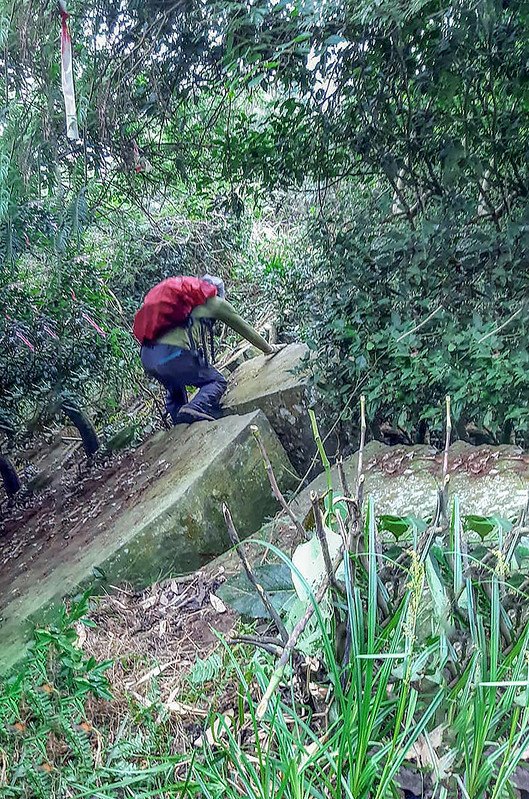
x: 217, y: 603
x: 423, y: 750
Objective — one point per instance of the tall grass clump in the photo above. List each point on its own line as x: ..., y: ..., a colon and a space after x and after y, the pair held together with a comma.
x: 408, y: 667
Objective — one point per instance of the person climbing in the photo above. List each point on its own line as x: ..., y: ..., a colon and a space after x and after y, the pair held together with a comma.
x: 174, y: 346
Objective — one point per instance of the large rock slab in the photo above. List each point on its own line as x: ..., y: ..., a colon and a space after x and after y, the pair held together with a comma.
x: 170, y: 523
x: 404, y: 480
x: 278, y: 386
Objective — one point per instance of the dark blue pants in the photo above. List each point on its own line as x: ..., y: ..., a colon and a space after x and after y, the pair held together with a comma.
x: 175, y: 369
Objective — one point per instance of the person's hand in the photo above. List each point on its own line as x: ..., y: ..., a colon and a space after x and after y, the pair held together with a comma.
x: 275, y: 349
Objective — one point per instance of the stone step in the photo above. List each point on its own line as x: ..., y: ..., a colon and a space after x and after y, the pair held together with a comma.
x: 403, y: 481
x: 279, y: 387
x: 170, y: 521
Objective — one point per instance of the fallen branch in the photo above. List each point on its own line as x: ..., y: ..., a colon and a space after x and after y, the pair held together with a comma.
x: 265, y: 599
x: 294, y: 637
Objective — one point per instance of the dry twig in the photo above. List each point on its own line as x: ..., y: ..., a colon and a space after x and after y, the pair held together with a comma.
x: 447, y: 439
x: 359, y: 478
x: 265, y: 599
x: 294, y: 637
x: 273, y: 483
x: 322, y: 538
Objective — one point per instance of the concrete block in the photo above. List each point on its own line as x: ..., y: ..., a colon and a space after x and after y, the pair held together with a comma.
x: 169, y: 522
x: 278, y: 387
x: 403, y: 480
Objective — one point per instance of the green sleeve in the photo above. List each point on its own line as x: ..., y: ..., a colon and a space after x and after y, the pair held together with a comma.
x: 215, y: 308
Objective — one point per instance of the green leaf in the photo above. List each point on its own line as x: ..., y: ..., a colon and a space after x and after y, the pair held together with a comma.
x: 335, y: 39
x: 302, y: 37
x: 205, y: 670
x: 240, y: 594
x: 441, y: 603
x: 485, y: 525
x: 400, y: 525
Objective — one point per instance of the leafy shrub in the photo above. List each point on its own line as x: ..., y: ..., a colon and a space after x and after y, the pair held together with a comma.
x: 462, y: 286
x: 44, y: 727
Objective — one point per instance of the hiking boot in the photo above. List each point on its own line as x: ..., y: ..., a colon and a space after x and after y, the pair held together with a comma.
x: 188, y: 415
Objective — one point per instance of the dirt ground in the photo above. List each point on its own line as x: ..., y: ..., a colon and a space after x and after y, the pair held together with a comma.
x: 154, y: 639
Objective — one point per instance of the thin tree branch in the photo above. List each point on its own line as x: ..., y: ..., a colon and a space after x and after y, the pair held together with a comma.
x: 275, y: 488
x: 421, y: 324
x: 322, y: 538
x: 502, y: 326
x: 265, y: 599
x: 294, y: 637
x: 359, y: 477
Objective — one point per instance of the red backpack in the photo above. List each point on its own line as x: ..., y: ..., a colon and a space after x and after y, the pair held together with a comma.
x: 169, y: 305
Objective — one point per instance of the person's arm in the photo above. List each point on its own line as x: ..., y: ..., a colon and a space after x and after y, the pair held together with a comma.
x: 215, y: 308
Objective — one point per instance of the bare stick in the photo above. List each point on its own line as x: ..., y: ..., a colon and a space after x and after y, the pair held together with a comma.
x: 294, y: 637
x: 447, y: 437
x: 421, y: 324
x: 273, y: 649
x: 350, y: 504
x: 265, y: 599
x: 343, y: 478
x: 446, y: 476
x: 322, y: 538
x: 275, y: 488
x: 263, y: 639
x: 502, y: 326
x: 362, y: 444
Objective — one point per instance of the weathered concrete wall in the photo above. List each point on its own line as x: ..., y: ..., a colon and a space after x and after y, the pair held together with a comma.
x: 173, y: 524
x: 278, y: 388
x: 404, y: 480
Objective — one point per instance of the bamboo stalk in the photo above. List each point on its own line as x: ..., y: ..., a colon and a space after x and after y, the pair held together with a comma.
x: 324, y: 459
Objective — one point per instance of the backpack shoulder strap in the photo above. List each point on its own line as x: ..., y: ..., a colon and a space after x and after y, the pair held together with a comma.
x: 207, y: 328
x: 188, y: 324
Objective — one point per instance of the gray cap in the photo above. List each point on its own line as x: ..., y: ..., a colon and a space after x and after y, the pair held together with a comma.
x: 218, y: 282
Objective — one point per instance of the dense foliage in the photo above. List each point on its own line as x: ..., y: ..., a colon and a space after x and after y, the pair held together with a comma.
x: 394, y: 134
x: 410, y: 314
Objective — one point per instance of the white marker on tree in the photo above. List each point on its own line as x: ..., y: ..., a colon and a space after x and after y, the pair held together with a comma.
x: 68, y: 89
